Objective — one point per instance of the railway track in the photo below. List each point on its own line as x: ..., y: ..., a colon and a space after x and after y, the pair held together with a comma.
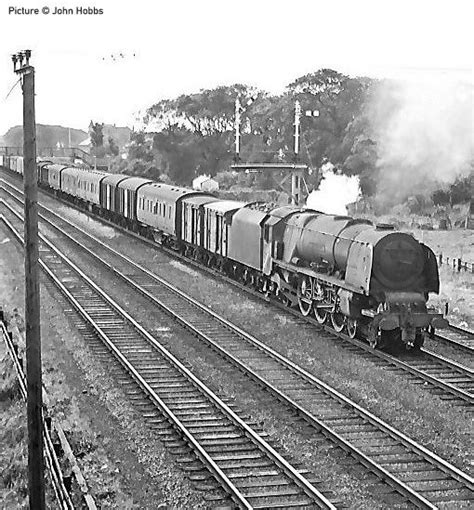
x: 251, y: 472
x: 422, y: 477
x: 459, y: 338
x: 448, y: 379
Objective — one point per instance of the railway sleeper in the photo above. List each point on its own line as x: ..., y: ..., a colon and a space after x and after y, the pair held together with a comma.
x: 211, y: 429
x: 384, y: 450
x: 411, y: 467
x: 441, y: 484
x: 454, y: 495
x: 429, y: 475
x: 250, y: 455
x: 272, y: 491
x: 353, y: 426
x: 362, y: 443
x: 244, y: 447
x: 395, y: 458
x: 276, y: 481
x: 225, y: 441
x: 364, y: 436
x: 298, y: 501
x: 252, y: 464
x: 211, y: 420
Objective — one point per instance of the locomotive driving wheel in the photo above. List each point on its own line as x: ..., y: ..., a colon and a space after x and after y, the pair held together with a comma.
x: 338, y: 320
x: 305, y: 296
x: 321, y: 314
x: 351, y: 326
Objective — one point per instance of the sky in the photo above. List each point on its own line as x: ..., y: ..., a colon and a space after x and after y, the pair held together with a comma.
x: 171, y: 47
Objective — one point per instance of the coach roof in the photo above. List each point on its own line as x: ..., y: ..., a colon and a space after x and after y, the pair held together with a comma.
x: 160, y: 191
x: 224, y: 206
x: 133, y: 183
x: 114, y: 179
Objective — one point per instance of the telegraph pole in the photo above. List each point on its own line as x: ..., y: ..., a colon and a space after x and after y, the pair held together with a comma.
x: 21, y: 66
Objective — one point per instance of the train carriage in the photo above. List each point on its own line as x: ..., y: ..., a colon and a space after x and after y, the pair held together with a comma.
x: 192, y: 218
x: 245, y: 237
x: 54, y: 176
x: 216, y: 220
x: 88, y: 185
x: 127, y: 192
x: 43, y: 172
x: 109, y: 199
x: 157, y: 207
x: 69, y: 180
x: 16, y: 164
x: 20, y: 165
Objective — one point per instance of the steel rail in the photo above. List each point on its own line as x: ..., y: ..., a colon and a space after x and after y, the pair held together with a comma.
x: 465, y: 343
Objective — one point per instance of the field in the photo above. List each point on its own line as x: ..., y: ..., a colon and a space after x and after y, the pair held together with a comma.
x: 457, y: 288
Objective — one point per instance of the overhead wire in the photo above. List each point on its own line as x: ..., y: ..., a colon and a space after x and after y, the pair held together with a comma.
x: 11, y: 90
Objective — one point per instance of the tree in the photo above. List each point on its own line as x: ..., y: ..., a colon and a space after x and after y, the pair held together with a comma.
x: 113, y: 148
x: 440, y: 197
x: 462, y: 190
x: 140, y: 147
x: 96, y: 133
x: 340, y: 100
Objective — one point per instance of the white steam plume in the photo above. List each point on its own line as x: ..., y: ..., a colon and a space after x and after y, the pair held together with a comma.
x: 424, y: 133
x: 334, y: 192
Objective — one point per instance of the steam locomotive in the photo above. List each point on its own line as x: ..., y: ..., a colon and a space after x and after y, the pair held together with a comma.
x: 366, y: 280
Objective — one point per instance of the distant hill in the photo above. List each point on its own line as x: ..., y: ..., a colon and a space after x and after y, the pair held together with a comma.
x: 46, y: 136
x: 50, y: 136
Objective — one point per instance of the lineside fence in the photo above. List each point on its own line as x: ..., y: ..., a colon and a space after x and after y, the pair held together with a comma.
x: 456, y: 264
x: 65, y: 474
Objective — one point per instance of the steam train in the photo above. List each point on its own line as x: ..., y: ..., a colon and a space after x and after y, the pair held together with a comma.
x: 367, y: 280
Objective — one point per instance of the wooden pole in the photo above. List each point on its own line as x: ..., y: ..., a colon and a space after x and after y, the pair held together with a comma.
x: 32, y: 295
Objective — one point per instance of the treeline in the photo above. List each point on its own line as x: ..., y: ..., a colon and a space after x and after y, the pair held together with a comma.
x: 194, y: 133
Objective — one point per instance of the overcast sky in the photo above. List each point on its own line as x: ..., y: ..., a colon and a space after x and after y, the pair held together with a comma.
x: 171, y: 47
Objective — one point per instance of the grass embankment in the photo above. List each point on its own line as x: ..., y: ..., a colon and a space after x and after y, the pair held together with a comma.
x: 13, y: 438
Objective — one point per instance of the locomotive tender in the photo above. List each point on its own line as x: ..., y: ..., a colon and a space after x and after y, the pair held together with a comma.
x: 366, y: 279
